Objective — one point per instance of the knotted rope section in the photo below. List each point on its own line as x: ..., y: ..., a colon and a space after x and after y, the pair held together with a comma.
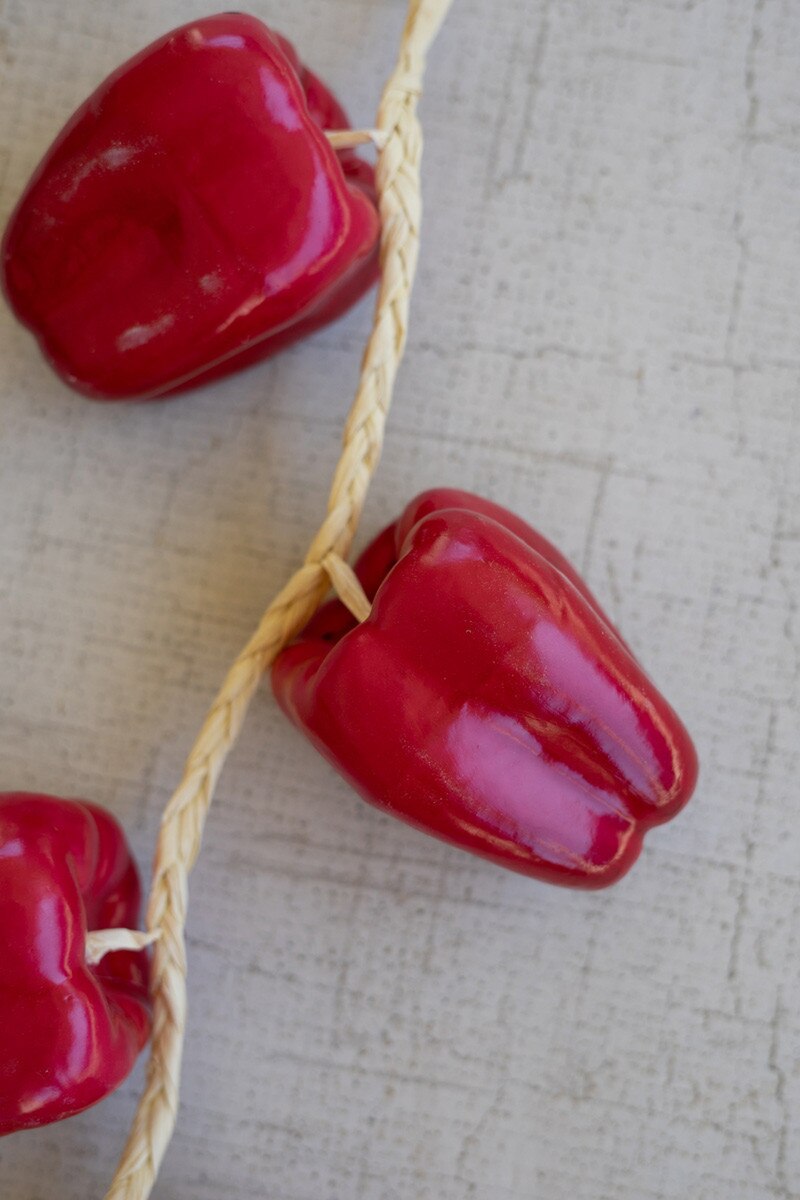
x: 398, y: 185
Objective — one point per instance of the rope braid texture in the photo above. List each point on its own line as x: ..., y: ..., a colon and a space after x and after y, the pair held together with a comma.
x: 398, y: 185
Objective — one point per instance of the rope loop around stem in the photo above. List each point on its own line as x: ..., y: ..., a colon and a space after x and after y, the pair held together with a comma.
x: 349, y: 139
x: 100, y: 942
x: 398, y: 188
x: 347, y: 587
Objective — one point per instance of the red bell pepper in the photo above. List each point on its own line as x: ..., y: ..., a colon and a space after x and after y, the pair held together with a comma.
x: 191, y: 217
x: 488, y: 700
x: 69, y: 1032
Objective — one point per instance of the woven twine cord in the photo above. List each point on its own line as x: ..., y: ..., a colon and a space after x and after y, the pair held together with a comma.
x: 398, y: 185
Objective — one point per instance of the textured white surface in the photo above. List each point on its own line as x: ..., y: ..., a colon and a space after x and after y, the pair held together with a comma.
x: 605, y: 337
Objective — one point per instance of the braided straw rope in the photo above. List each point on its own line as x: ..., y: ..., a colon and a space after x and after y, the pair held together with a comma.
x: 398, y: 184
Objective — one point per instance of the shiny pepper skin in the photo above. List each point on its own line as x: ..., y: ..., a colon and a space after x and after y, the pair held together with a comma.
x: 488, y: 700
x: 191, y: 218
x: 69, y: 1032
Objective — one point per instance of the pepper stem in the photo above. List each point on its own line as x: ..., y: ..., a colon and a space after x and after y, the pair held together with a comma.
x: 347, y: 586
x: 100, y: 942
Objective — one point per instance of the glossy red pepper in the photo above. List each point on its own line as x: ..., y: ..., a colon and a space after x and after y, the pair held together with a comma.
x: 69, y: 1032
x: 488, y: 700
x: 191, y: 217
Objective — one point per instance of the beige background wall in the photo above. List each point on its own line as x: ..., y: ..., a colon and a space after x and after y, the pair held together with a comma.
x: 606, y: 338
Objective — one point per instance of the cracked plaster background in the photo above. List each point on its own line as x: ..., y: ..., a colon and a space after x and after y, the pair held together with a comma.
x: 605, y: 337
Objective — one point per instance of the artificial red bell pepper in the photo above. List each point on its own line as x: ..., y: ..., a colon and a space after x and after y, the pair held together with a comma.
x: 69, y: 1032
x: 488, y: 700
x: 191, y: 217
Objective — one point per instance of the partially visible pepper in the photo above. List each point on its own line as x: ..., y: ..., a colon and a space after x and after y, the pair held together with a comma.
x: 69, y: 1032
x: 488, y: 700
x: 191, y: 218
